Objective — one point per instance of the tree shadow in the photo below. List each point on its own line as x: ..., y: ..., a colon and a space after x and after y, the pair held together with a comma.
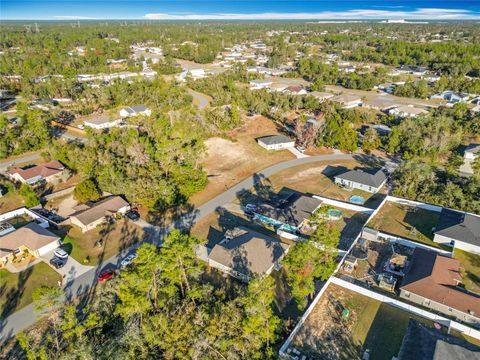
x: 13, y: 296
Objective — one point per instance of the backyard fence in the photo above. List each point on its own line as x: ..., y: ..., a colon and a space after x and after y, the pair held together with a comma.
x: 408, y: 243
x: 344, y: 205
x: 60, y: 193
x: 466, y: 330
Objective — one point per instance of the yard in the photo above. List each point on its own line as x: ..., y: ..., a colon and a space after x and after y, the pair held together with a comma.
x: 99, y: 244
x: 407, y: 222
x: 470, y: 269
x: 16, y: 288
x: 317, y: 178
x: 333, y: 334
x: 10, y: 201
x: 232, y: 159
x: 213, y: 227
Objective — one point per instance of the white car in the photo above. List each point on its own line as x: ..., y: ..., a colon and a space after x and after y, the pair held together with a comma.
x: 128, y: 260
x: 60, y: 253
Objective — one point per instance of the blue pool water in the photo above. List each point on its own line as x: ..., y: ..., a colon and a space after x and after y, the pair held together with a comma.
x: 355, y: 199
x: 334, y: 214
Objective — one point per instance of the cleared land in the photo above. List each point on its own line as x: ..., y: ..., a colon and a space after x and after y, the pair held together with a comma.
x: 16, y: 288
x: 230, y: 161
x: 316, y: 178
x: 99, y: 244
x: 331, y: 334
x: 407, y: 222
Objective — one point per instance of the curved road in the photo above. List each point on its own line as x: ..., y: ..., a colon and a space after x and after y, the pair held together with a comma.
x: 26, y: 316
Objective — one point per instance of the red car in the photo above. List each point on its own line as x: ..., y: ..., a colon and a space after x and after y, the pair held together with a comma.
x: 105, y: 274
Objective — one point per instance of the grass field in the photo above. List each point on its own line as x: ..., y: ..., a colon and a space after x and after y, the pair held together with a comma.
x: 470, y: 269
x: 396, y: 219
x: 371, y: 325
x: 16, y: 288
x: 115, y: 237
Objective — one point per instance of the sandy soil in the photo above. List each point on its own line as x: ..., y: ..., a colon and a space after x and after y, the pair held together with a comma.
x: 230, y: 161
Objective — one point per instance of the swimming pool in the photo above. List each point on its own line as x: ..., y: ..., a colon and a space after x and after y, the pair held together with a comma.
x: 334, y: 214
x: 356, y: 199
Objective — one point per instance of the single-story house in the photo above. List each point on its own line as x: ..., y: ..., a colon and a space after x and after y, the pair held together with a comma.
x: 411, y: 69
x: 432, y: 280
x: 260, y: 84
x: 451, y: 96
x: 275, y: 142
x: 427, y: 343
x: 32, y: 238
x: 295, y: 90
x: 348, y: 101
x: 458, y: 229
x: 406, y: 111
x: 288, y: 214
x: 471, y: 153
x: 193, y: 73
x: 103, y: 122
x: 370, y: 180
x: 135, y: 111
x: 389, y: 88
x: 322, y: 96
x: 49, y: 172
x: 90, y: 215
x: 277, y: 87
x: 245, y: 253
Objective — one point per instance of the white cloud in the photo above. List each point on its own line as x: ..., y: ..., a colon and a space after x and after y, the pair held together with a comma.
x: 420, y: 13
x: 73, y: 17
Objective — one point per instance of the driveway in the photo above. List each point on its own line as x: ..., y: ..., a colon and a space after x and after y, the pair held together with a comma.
x: 84, y: 279
x: 297, y: 153
x: 71, y: 270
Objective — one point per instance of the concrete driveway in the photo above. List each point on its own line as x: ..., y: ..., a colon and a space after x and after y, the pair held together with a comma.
x: 71, y: 270
x: 298, y: 154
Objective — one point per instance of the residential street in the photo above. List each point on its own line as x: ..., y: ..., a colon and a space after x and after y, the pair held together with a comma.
x: 80, y: 284
x: 4, y: 165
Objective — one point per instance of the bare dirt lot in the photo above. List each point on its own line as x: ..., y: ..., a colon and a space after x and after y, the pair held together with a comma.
x: 344, y: 324
x: 230, y: 161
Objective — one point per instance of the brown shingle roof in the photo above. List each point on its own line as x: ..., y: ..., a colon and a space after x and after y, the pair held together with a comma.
x: 250, y: 253
x: 435, y: 277
x: 32, y: 236
x: 100, y: 209
x: 44, y: 170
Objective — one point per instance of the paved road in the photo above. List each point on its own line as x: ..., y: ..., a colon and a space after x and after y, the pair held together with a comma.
x: 203, y: 100
x: 78, y: 286
x: 4, y: 165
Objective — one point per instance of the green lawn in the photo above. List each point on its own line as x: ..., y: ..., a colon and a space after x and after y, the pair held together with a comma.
x: 470, y: 268
x: 114, y: 238
x: 406, y: 222
x: 16, y: 288
x: 370, y: 324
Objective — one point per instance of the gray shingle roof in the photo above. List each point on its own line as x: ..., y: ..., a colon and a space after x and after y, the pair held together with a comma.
x: 274, y: 139
x: 106, y: 207
x: 250, y: 253
x: 293, y: 210
x: 459, y: 226
x: 422, y: 343
x: 372, y: 177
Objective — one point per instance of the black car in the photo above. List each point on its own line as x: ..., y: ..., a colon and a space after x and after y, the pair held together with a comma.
x: 133, y: 215
x: 58, y: 263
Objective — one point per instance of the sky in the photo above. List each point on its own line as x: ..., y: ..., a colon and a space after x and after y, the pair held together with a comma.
x: 239, y: 10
